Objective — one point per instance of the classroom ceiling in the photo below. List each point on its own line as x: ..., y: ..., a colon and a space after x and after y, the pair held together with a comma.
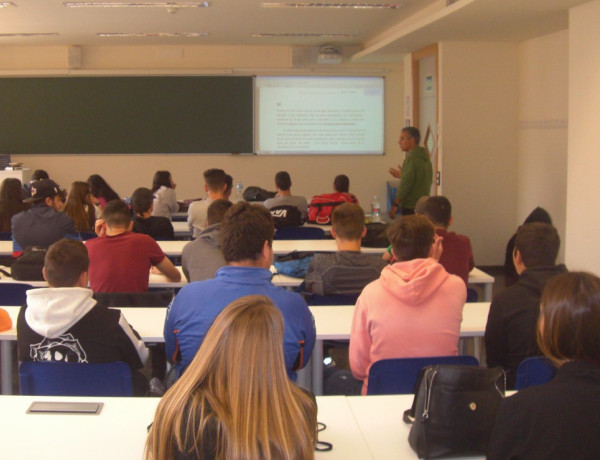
x: 372, y: 33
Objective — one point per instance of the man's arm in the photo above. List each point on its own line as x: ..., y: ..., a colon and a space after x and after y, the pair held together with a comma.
x: 495, y: 337
x: 167, y: 268
x: 360, y: 342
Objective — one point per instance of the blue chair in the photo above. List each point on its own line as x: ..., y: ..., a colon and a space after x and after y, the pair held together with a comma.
x: 333, y: 299
x: 14, y: 294
x: 75, y: 379
x: 399, y: 376
x: 299, y: 233
x: 533, y: 371
x: 5, y: 236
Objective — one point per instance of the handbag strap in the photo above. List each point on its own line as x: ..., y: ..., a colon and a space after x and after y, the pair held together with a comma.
x: 409, y: 414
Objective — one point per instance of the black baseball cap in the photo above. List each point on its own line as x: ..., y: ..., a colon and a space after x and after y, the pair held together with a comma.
x: 42, y: 189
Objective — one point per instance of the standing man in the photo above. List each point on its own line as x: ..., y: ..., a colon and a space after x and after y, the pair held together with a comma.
x: 415, y: 174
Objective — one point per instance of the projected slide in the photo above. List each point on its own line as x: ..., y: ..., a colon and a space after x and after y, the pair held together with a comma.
x: 319, y: 115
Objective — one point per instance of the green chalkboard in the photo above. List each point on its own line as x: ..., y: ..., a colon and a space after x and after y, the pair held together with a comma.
x: 126, y: 115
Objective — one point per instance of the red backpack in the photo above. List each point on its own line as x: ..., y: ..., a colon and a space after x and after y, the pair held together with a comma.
x: 321, y: 206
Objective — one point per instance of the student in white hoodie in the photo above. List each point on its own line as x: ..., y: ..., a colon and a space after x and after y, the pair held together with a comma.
x: 63, y: 323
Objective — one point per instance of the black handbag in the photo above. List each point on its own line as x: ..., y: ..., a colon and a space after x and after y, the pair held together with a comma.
x: 454, y: 410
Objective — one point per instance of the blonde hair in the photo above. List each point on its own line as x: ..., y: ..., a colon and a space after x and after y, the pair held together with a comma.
x: 235, y: 397
x: 79, y: 207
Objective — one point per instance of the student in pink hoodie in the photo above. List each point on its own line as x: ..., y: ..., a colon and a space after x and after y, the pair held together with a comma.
x: 415, y: 307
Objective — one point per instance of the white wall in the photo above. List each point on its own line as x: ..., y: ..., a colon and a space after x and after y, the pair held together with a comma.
x: 583, y: 216
x: 478, y: 139
x: 543, y: 113
x: 310, y: 174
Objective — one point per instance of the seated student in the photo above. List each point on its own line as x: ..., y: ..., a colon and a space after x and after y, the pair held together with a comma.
x: 63, y: 323
x: 80, y: 208
x: 158, y: 227
x: 341, y: 184
x: 215, y: 186
x: 511, y: 324
x: 202, y: 257
x: 163, y: 189
x: 419, y: 206
x: 457, y: 257
x: 228, y: 187
x: 348, y: 270
x: 559, y: 420
x: 44, y: 223
x: 510, y: 275
x: 284, y: 196
x: 11, y: 202
x: 102, y: 193
x: 235, y: 400
x: 120, y: 260
x: 247, y: 244
x: 414, y: 309
x: 38, y: 174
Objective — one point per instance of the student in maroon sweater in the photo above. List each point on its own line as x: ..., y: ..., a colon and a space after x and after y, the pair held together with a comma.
x: 457, y: 257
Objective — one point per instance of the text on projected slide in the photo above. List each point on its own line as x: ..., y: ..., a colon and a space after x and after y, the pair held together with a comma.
x: 316, y: 115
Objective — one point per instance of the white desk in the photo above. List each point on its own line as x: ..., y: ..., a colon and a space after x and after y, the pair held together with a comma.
x: 181, y: 229
x: 161, y: 281
x: 332, y: 323
x: 282, y: 247
x: 382, y: 427
x: 120, y: 430
x: 335, y: 323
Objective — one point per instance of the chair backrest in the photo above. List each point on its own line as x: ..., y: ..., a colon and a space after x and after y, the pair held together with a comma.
x: 299, y: 233
x: 399, y: 376
x: 533, y: 371
x: 333, y: 299
x: 75, y: 379
x: 13, y: 294
x: 87, y: 235
x: 160, y: 298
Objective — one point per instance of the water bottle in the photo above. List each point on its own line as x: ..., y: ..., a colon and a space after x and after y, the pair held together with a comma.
x: 375, y: 210
x: 239, y: 191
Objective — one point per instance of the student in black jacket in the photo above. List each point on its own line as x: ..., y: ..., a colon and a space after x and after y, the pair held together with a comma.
x: 559, y: 420
x: 157, y: 227
x: 63, y: 323
x: 511, y: 324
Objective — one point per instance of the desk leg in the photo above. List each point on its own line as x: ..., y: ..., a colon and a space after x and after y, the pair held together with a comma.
x: 317, y: 368
x: 6, y: 353
x: 487, y: 292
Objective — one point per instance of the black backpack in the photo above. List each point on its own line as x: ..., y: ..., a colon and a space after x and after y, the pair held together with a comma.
x: 254, y: 193
x: 286, y: 216
x: 376, y: 236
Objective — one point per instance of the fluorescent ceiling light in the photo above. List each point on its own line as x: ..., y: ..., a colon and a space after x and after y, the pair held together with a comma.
x: 291, y: 34
x: 358, y: 6
x: 6, y: 4
x: 153, y: 34
x: 136, y: 4
x: 32, y: 34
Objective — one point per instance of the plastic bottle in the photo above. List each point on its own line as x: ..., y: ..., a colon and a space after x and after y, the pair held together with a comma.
x: 239, y: 191
x: 375, y: 210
